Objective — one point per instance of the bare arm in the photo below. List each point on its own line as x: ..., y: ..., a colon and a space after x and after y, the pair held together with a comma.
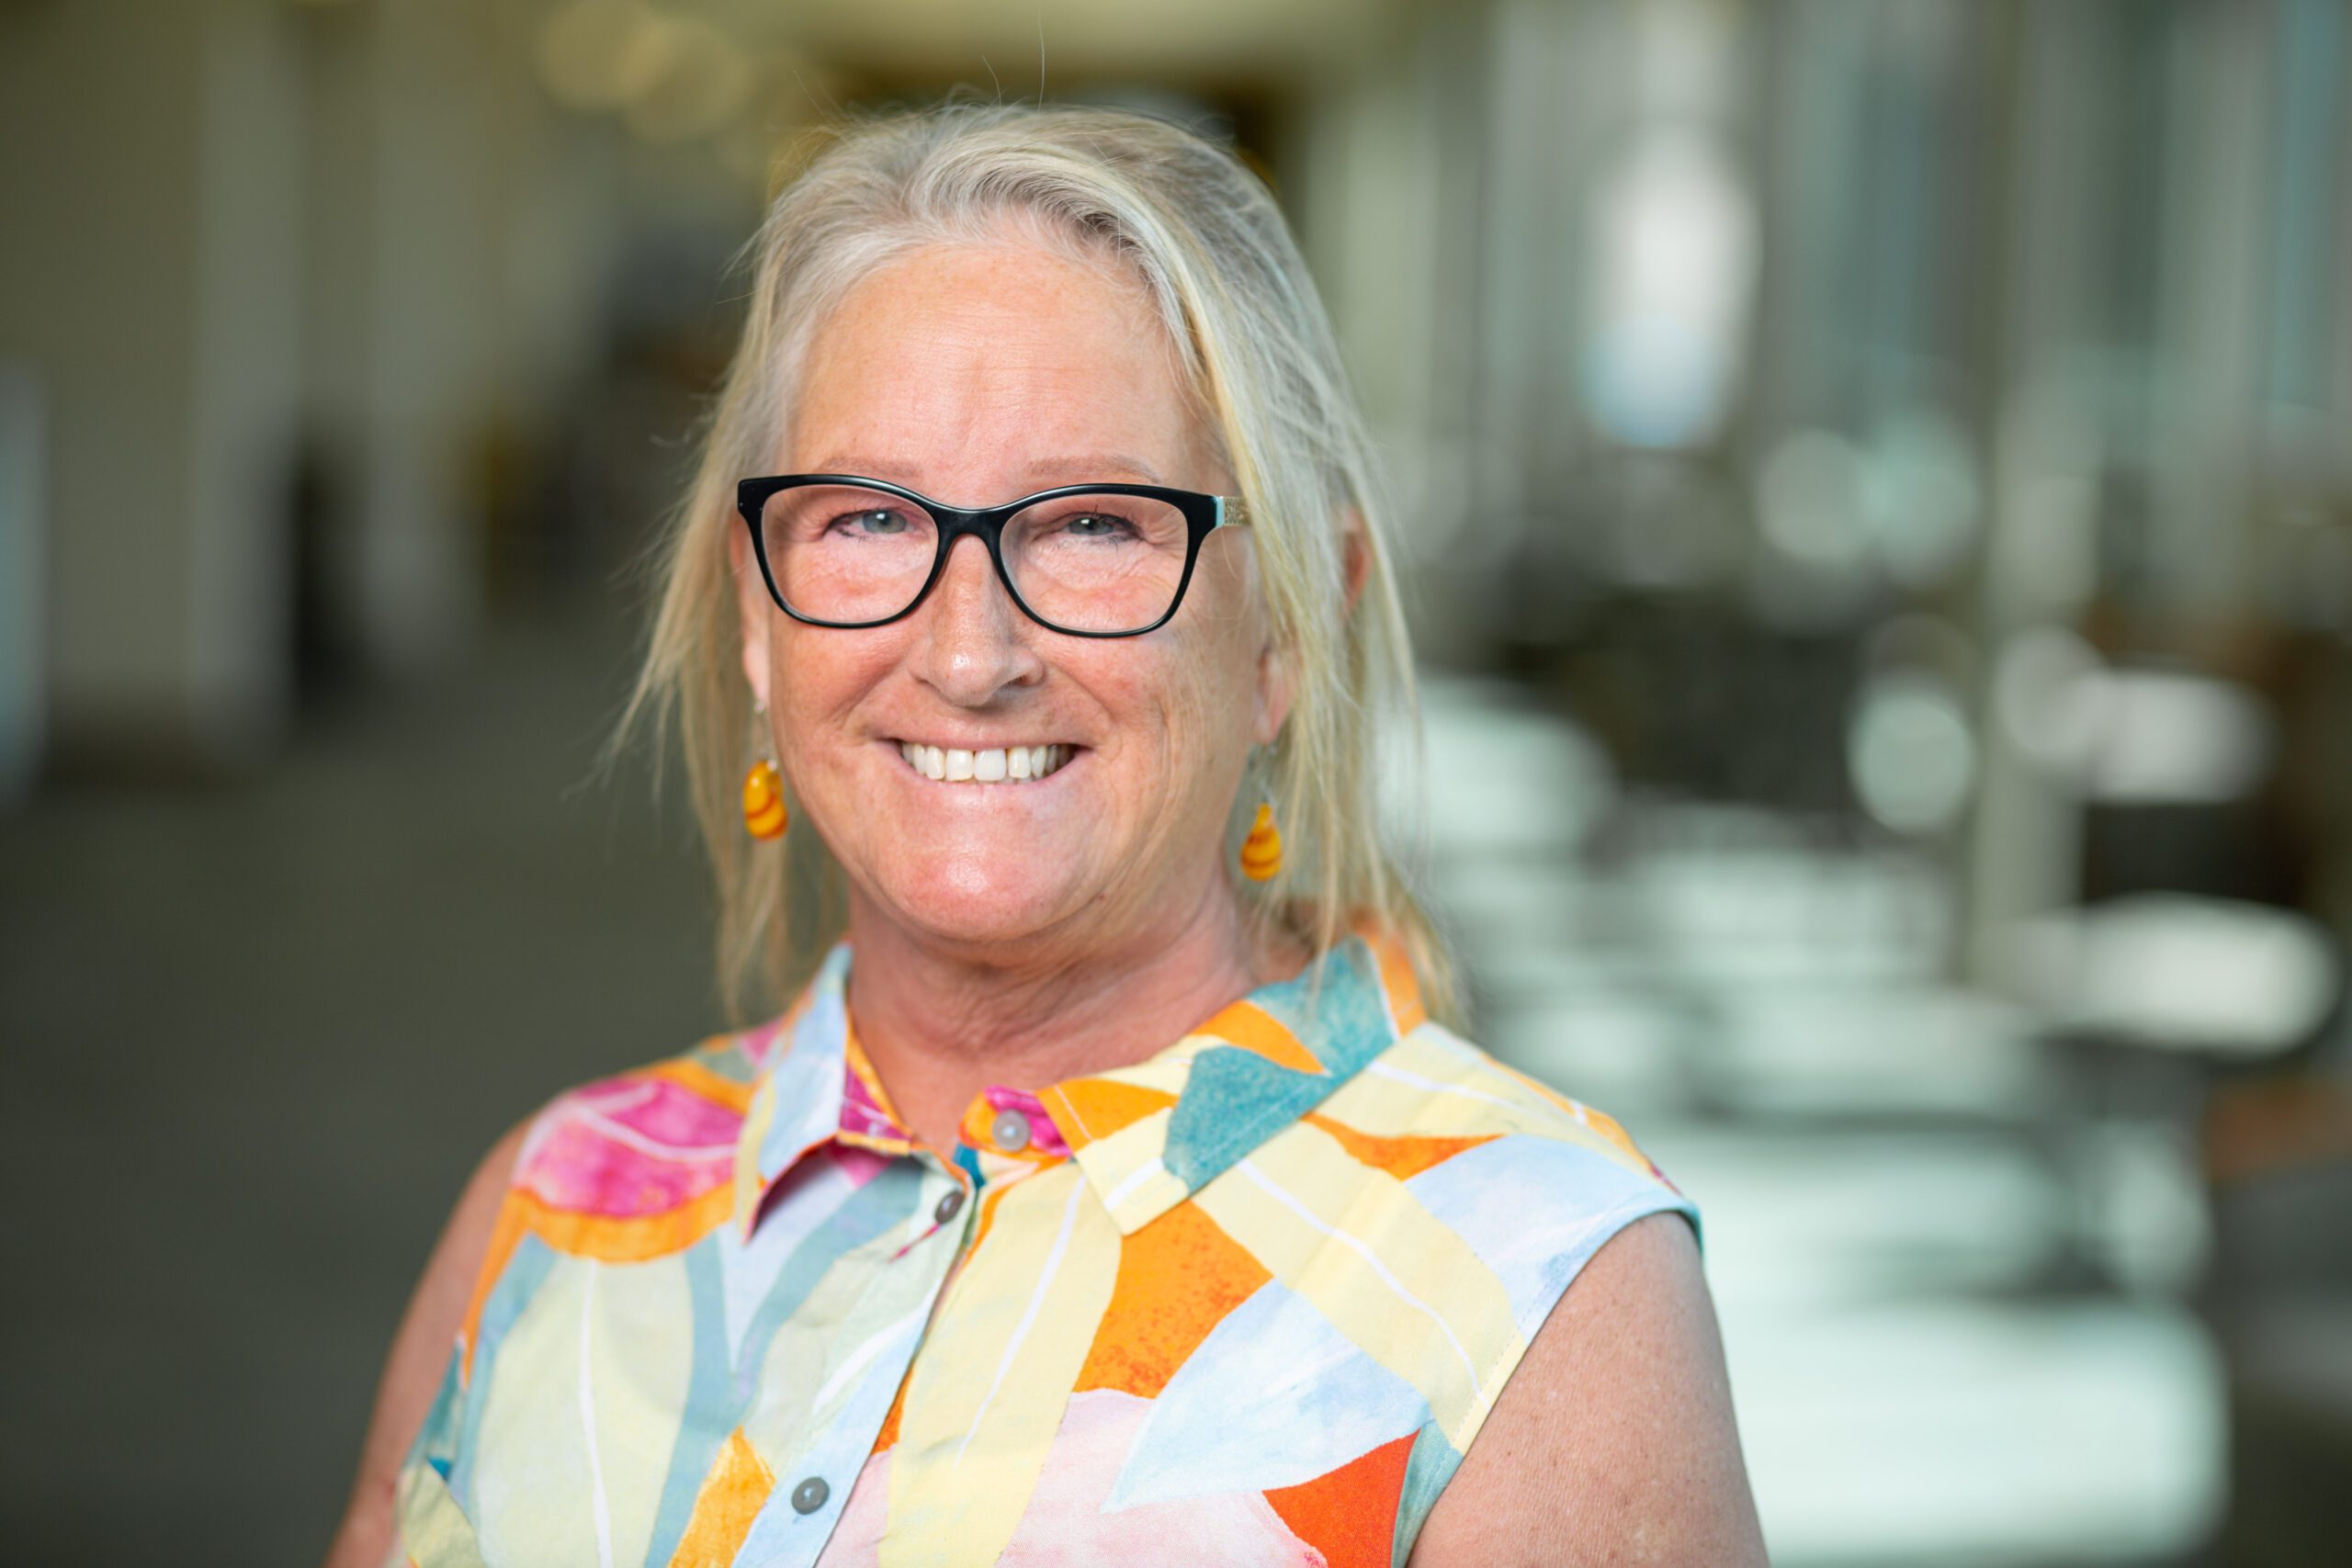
x: 420, y: 1357
x: 1614, y: 1442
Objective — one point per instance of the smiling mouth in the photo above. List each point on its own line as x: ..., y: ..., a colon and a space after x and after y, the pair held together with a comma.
x: 1001, y: 764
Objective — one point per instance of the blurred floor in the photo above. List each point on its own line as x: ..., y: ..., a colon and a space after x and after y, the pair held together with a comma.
x: 261, y: 1034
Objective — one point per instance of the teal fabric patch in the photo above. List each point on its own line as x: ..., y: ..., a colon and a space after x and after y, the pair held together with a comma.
x: 1343, y: 1021
x: 1236, y: 1100
x: 1427, y: 1470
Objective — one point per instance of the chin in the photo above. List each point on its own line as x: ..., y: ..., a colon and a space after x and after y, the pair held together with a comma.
x: 995, y: 900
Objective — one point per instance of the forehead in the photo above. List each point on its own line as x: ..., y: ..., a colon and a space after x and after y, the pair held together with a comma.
x: 964, y: 364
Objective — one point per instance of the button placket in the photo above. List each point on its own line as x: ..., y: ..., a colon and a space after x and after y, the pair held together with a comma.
x: 814, y: 1483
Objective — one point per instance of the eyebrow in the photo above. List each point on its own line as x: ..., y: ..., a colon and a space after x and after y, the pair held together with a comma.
x: 1106, y: 466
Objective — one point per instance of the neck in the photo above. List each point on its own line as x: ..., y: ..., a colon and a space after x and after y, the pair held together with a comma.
x: 940, y: 1022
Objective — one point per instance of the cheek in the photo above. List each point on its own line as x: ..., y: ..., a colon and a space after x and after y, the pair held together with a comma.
x: 1202, y: 702
x: 818, y: 676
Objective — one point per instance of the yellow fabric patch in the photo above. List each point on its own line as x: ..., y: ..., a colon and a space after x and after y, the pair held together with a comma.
x: 988, y: 1392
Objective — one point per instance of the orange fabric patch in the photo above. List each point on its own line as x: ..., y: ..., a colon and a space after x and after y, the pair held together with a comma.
x: 1088, y: 1110
x: 1179, y: 1276
x: 1253, y: 1028
x: 504, y: 1233
x: 1396, y: 977
x: 632, y: 1240
x: 730, y: 1498
x: 888, y: 1437
x: 1403, y: 1157
x: 1348, y: 1514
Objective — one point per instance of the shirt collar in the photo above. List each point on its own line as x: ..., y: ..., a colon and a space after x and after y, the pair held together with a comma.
x: 1147, y: 1136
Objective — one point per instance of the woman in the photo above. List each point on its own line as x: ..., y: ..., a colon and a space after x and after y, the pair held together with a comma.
x: 1106, y: 1195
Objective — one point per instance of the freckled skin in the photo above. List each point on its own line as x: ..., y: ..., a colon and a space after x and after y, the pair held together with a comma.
x: 958, y: 369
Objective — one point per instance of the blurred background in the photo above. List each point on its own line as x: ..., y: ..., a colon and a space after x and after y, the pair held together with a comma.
x: 1876, y: 481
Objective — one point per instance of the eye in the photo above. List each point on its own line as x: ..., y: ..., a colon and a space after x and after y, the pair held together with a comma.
x: 1097, y: 525
x: 872, y: 521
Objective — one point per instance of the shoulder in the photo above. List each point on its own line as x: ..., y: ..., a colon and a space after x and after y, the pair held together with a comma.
x: 625, y: 1168
x: 1615, y: 1440
x: 1493, y: 1152
x: 1527, y: 1187
x: 646, y: 1139
x: 637, y: 1145
x: 421, y: 1351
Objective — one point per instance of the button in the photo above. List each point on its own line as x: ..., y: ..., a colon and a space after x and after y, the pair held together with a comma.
x: 951, y: 1203
x: 811, y: 1495
x: 1010, y: 1131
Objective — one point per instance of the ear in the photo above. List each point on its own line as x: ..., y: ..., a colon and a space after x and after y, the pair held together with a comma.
x: 754, y: 610
x: 1355, y: 559
x: 1277, y: 686
x: 1276, y: 678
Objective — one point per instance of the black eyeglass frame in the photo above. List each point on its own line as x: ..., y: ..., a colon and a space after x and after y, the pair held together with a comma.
x: 1204, y: 516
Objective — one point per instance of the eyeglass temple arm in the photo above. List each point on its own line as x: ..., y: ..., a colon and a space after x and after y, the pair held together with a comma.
x: 1232, y: 512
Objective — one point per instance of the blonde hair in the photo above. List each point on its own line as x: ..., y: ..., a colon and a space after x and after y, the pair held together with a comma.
x: 1204, y: 238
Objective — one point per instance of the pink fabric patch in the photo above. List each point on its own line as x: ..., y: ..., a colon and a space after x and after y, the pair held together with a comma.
x: 861, y: 1166
x: 862, y: 1115
x: 629, y: 1146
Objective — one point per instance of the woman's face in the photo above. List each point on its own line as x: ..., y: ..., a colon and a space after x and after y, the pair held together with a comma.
x: 976, y: 375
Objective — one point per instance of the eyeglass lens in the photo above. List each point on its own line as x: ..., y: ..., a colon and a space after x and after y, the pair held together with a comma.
x: 1086, y: 562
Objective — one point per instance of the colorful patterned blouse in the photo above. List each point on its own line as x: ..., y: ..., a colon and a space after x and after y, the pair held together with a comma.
x: 1247, y: 1301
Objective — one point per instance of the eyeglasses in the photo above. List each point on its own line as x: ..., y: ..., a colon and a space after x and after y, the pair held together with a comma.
x: 1091, y: 561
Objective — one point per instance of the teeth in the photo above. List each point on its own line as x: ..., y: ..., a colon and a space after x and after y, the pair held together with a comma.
x: 998, y: 765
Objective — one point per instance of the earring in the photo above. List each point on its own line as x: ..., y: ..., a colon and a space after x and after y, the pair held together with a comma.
x: 763, y: 812
x: 1261, y: 851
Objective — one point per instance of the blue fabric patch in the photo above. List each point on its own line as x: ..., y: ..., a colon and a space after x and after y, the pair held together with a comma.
x: 806, y: 1083
x: 1427, y: 1470
x: 526, y: 1271
x: 720, y: 1391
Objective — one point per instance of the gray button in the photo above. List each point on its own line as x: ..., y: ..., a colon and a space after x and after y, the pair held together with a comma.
x: 811, y: 1495
x: 1010, y: 1131
x: 951, y: 1203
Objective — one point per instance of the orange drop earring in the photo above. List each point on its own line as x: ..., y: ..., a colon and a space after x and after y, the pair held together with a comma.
x: 1261, y: 851
x: 764, y: 811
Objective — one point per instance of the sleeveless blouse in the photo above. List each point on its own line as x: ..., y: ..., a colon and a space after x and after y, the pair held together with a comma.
x: 1247, y: 1301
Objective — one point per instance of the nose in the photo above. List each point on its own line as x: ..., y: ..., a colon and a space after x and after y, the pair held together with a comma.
x: 971, y: 643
